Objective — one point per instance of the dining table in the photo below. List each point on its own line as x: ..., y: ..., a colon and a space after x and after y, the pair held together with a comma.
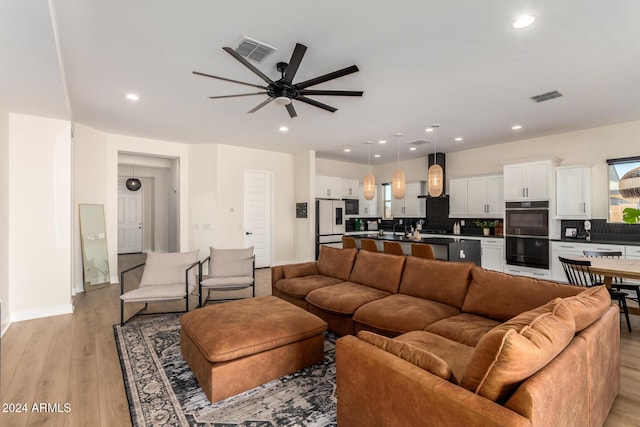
x: 608, y: 268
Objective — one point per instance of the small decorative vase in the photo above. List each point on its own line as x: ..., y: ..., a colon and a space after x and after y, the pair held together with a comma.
x: 486, y: 231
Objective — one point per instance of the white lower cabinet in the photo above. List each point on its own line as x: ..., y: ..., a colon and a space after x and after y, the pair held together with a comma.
x: 536, y: 273
x: 571, y: 249
x: 492, y: 254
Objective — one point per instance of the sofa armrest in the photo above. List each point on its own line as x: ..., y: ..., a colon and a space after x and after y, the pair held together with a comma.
x: 377, y: 388
x: 277, y: 271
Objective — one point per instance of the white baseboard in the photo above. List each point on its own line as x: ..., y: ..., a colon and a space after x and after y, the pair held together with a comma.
x: 37, y: 313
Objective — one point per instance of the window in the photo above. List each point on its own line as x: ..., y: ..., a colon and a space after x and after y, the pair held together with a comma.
x: 386, y: 187
x: 629, y: 197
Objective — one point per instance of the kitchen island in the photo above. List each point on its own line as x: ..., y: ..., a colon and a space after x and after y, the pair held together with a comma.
x: 444, y: 248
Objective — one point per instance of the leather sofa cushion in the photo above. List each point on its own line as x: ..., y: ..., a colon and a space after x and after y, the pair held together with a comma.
x: 336, y: 262
x: 344, y: 298
x: 400, y: 313
x: 300, y: 270
x: 501, y: 296
x: 454, y: 353
x: 422, y: 358
x: 299, y: 287
x: 436, y: 280
x: 588, y: 306
x: 464, y: 328
x: 513, y: 351
x: 378, y: 270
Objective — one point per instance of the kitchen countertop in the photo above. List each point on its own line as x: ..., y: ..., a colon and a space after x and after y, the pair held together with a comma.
x: 425, y: 240
x: 600, y: 241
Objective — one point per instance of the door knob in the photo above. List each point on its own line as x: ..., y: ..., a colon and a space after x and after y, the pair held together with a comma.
x: 248, y: 232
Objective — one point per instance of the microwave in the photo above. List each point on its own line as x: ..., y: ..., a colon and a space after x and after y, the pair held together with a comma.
x: 352, y: 207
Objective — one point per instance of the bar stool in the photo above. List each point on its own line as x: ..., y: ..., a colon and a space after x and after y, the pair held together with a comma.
x: 368, y: 245
x: 393, y: 248
x: 422, y: 251
x: 348, y: 242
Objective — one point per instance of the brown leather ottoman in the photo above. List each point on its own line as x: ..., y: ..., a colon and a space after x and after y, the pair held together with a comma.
x: 235, y: 346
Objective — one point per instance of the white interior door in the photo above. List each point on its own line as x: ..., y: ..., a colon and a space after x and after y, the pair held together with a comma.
x: 129, y: 220
x: 257, y: 215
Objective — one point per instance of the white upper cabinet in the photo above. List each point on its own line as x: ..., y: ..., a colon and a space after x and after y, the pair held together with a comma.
x: 328, y: 187
x: 457, y: 197
x: 477, y: 197
x: 368, y: 207
x: 528, y: 181
x: 350, y: 188
x: 573, y: 192
x: 410, y: 205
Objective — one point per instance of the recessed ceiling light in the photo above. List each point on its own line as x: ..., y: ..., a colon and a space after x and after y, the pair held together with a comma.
x: 347, y: 150
x: 412, y: 149
x: 376, y: 155
x: 283, y: 128
x: 516, y: 127
x: 429, y: 129
x: 382, y: 141
x: 458, y: 139
x: 132, y: 97
x: 523, y: 22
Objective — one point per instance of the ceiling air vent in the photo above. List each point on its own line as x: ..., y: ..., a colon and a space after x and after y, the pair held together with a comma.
x: 418, y: 142
x: 254, y: 50
x: 547, y: 96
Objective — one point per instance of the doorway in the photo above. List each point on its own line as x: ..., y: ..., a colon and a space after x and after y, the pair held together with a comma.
x: 257, y: 215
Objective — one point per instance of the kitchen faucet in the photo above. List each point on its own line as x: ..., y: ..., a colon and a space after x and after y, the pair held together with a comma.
x: 394, y: 228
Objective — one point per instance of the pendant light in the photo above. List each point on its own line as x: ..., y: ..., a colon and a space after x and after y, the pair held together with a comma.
x: 133, y: 184
x: 369, y: 182
x: 435, y: 175
x: 629, y: 185
x: 397, y: 181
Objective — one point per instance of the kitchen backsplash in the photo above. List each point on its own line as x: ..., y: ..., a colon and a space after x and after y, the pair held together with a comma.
x: 603, y: 230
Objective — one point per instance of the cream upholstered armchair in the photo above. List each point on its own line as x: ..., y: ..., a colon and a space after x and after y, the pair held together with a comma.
x: 228, y: 270
x: 166, y: 277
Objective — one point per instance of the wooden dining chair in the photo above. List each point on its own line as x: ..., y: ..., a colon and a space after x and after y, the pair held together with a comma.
x: 422, y: 251
x: 617, y: 282
x: 368, y: 245
x: 579, y: 273
x: 393, y: 248
x: 348, y: 242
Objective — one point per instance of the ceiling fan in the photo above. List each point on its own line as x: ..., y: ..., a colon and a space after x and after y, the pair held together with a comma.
x: 284, y: 91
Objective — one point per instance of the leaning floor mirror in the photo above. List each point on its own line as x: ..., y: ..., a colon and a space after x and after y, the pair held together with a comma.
x: 93, y: 236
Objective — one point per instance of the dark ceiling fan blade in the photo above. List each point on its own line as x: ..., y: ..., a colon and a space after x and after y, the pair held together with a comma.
x: 294, y: 62
x: 316, y: 103
x: 229, y: 80
x: 327, y: 77
x: 236, y: 96
x: 247, y: 64
x: 331, y: 92
x: 259, y: 106
x: 292, y: 111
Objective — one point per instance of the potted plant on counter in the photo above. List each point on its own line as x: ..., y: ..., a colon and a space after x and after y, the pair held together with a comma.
x: 486, y: 226
x: 631, y: 215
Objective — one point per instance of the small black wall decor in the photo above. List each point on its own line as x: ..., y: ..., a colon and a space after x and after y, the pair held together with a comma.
x: 301, y: 210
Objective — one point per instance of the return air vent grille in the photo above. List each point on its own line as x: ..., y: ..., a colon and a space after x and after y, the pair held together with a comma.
x: 547, y: 96
x: 254, y: 50
x: 418, y: 142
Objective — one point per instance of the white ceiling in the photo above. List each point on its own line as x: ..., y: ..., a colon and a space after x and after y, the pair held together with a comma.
x: 456, y: 63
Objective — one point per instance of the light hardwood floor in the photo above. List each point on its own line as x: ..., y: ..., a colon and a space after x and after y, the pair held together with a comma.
x: 73, y: 359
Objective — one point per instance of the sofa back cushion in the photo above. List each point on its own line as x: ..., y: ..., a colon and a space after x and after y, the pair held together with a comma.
x: 378, y: 270
x: 501, y: 296
x: 412, y: 354
x: 588, y: 306
x: 513, y: 351
x: 300, y: 270
x: 335, y: 262
x: 436, y: 280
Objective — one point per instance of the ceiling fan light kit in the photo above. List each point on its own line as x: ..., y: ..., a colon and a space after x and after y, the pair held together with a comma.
x: 284, y: 91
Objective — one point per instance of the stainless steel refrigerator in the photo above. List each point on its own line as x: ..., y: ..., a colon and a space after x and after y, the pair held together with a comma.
x: 330, y: 223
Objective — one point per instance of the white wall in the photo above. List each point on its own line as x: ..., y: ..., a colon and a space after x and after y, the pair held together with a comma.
x: 325, y: 167
x: 39, y: 217
x: 4, y: 218
x: 219, y: 192
x: 304, y: 232
x: 588, y: 146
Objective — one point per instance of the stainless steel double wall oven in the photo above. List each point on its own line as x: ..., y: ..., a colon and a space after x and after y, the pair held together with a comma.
x: 527, y: 233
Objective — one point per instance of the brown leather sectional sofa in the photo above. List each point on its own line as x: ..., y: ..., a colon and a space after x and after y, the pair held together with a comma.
x: 428, y: 342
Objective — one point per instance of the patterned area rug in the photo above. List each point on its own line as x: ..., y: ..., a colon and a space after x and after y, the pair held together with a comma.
x: 162, y: 390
